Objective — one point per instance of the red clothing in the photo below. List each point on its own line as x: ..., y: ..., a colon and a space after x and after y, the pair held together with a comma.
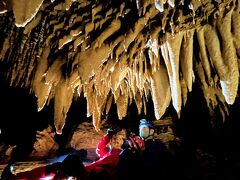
x: 109, y: 157
x: 103, y: 148
x: 34, y: 174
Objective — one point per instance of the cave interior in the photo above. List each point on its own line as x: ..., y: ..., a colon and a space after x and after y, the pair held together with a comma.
x: 111, y: 63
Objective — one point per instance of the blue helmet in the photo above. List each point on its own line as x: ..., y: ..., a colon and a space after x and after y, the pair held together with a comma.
x: 144, y: 122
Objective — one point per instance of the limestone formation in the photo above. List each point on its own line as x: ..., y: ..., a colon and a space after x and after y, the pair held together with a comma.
x: 121, y: 52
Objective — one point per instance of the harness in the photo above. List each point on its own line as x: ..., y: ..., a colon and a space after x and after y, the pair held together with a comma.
x: 137, y: 143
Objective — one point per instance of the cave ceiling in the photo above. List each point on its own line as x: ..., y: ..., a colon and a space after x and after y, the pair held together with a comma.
x: 121, y: 52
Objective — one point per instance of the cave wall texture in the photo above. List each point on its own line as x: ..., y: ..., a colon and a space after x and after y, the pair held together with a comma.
x: 99, y: 54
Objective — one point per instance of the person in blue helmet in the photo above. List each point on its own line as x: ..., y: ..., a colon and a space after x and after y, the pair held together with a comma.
x: 156, y: 157
x: 146, y: 129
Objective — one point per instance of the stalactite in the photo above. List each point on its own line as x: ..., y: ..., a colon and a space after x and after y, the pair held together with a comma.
x: 171, y: 3
x: 112, y: 28
x: 88, y: 94
x: 139, y: 25
x: 209, y: 97
x: 88, y: 68
x: 204, y: 56
x: 160, y: 5
x: 68, y: 38
x: 107, y: 50
x: 62, y: 103
x: 170, y: 52
x: 145, y: 105
x: 25, y: 10
x: 41, y: 89
x: 120, y: 71
x: 96, y: 115
x: 184, y: 90
x: 236, y: 27
x: 122, y: 102
x: 74, y: 80
x: 186, y: 58
x: 154, y: 51
x: 36, y: 20
x: 138, y: 101
x: 53, y: 74
x: 135, y: 47
x: 116, y: 94
x: 109, y: 103
x: 160, y: 91
x: 230, y: 61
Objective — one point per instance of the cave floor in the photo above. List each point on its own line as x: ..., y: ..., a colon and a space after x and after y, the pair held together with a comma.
x: 191, y: 164
x: 204, y: 168
x: 29, y: 165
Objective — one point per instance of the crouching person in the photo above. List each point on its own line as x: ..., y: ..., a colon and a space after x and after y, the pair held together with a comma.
x: 113, y: 161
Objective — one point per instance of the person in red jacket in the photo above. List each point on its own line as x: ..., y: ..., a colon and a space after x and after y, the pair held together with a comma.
x: 72, y: 166
x: 107, y: 165
x: 108, y: 156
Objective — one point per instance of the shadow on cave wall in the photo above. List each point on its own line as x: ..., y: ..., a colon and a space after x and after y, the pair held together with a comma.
x: 20, y: 119
x: 199, y: 130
